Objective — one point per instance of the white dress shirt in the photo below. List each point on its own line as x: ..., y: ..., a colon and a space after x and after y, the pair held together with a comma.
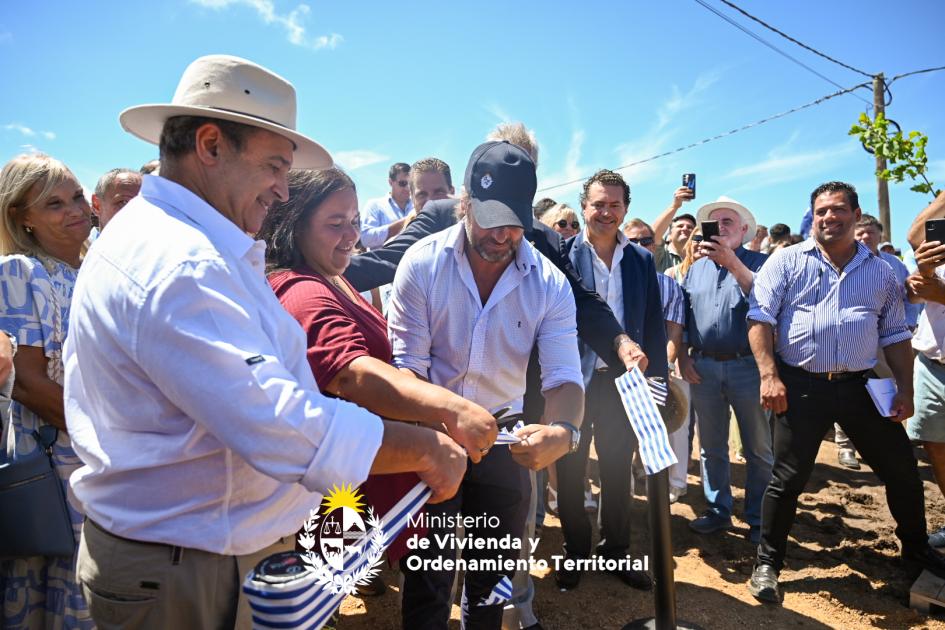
x: 440, y: 329
x: 376, y: 217
x: 188, y: 395
x: 929, y: 338
x: 608, y: 282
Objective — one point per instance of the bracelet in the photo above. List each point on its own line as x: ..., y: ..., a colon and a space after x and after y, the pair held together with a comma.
x: 624, y: 339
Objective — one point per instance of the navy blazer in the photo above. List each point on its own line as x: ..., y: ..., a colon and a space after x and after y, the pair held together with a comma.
x: 642, y: 306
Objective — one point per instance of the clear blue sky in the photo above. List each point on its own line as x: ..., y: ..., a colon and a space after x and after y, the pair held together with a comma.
x: 601, y: 83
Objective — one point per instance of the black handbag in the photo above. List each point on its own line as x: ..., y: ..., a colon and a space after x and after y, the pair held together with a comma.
x: 34, y: 517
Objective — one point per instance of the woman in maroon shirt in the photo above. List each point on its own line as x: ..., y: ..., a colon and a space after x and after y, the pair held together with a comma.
x: 310, y: 240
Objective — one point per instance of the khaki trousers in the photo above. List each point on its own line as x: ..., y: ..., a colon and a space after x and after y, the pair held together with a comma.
x: 131, y: 584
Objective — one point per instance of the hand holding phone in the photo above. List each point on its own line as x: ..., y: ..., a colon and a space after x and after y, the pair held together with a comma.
x: 935, y: 230
x: 689, y: 181
x: 710, y: 229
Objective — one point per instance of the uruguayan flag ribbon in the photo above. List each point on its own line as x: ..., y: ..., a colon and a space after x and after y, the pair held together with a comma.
x: 500, y: 594
x: 301, y: 602
x: 646, y: 421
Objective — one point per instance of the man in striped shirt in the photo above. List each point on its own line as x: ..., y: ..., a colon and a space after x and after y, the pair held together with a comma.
x: 819, y: 310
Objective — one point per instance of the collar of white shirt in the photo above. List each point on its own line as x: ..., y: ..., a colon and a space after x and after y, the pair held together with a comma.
x: 222, y: 232
x: 622, y: 241
x: 524, y: 256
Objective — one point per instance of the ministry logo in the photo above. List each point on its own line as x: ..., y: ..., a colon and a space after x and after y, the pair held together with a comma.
x: 342, y: 535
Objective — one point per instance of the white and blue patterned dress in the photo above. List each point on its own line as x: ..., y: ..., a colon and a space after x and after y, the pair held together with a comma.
x: 35, y: 295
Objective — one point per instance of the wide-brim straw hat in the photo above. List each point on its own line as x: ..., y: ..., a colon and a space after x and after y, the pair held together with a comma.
x: 731, y: 204
x: 230, y: 88
x: 675, y: 412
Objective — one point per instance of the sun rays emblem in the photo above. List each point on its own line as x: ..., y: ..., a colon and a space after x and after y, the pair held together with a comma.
x: 342, y: 525
x: 336, y: 527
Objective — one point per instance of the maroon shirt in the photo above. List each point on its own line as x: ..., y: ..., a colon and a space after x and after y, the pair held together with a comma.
x: 339, y: 331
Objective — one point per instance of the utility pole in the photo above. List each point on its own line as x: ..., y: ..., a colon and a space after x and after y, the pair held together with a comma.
x: 882, y: 186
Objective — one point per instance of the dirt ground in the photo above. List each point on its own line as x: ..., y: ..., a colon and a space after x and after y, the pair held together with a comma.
x: 842, y: 566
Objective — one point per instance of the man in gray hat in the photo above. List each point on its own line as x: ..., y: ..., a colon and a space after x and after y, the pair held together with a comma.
x: 188, y: 394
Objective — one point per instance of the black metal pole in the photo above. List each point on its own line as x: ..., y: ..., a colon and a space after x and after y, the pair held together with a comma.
x: 664, y: 589
x: 661, y: 559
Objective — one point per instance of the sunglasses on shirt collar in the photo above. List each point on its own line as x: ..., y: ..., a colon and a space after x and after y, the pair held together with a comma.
x: 563, y: 223
x: 642, y: 242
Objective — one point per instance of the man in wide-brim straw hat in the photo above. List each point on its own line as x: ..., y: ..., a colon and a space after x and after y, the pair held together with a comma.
x: 721, y: 368
x: 188, y: 394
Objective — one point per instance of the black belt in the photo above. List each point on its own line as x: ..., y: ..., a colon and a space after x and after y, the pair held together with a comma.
x: 822, y: 376
x: 721, y: 356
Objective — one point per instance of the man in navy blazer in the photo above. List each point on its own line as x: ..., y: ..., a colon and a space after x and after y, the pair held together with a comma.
x: 624, y: 275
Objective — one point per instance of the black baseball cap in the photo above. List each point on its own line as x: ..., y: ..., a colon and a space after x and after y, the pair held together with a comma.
x: 501, y: 182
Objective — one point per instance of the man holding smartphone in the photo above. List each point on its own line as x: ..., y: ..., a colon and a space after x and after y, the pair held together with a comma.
x: 720, y: 366
x: 927, y: 284
x: 671, y: 252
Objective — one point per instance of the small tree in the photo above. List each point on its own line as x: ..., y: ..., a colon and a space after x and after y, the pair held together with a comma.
x: 905, y: 155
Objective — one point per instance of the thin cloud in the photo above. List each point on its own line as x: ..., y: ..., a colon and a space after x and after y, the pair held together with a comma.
x: 23, y: 129
x: 359, y: 158
x: 497, y: 112
x: 661, y: 134
x: 29, y: 132
x: 782, y: 165
x: 6, y: 36
x: 292, y: 21
x: 680, y: 102
x: 571, y: 170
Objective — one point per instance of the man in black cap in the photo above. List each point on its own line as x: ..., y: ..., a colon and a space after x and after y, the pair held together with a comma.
x: 468, y: 305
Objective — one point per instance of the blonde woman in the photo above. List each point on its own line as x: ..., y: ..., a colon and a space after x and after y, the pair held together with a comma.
x: 45, y: 222
x: 692, y: 253
x: 562, y: 219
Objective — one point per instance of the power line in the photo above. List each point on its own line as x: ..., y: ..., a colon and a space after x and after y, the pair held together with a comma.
x: 791, y: 39
x: 909, y: 74
x: 775, y: 48
x: 820, y: 100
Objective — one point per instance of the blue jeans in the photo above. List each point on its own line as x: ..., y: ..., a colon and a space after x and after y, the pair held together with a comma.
x: 737, y: 384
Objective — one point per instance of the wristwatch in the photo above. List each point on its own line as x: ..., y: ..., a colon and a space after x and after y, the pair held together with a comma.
x: 575, y: 434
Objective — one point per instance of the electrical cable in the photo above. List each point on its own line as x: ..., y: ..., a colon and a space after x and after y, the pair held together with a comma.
x: 820, y: 100
x: 775, y: 48
x: 909, y: 74
x: 791, y: 39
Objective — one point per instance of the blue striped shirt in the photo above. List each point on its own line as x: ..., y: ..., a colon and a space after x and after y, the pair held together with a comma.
x: 717, y: 306
x: 825, y: 321
x: 671, y: 297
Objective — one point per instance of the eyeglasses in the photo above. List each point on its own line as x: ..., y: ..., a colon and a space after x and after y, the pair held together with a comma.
x: 642, y: 242
x: 402, y: 183
x: 563, y: 223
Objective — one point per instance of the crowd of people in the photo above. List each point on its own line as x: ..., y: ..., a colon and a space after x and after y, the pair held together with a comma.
x: 237, y: 334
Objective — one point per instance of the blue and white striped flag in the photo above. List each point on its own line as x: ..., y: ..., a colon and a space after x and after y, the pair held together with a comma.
x: 500, y: 594
x: 298, y: 601
x: 647, y: 423
x: 506, y: 436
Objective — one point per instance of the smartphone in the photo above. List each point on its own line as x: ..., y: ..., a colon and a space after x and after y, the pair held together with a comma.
x: 689, y: 181
x: 710, y: 229
x: 935, y: 230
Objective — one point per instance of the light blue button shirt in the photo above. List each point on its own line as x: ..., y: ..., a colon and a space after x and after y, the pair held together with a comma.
x: 376, y: 216
x: 827, y: 321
